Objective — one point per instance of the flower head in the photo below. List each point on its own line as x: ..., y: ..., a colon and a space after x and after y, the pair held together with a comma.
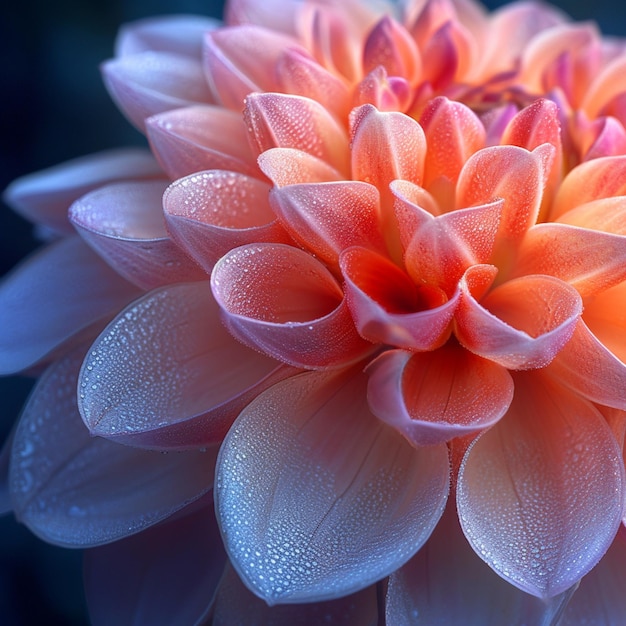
x: 370, y: 295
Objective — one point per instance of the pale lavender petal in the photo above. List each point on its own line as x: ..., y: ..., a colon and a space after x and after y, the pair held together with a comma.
x: 316, y: 497
x: 234, y: 604
x: 165, y: 374
x: 44, y: 197
x: 167, y: 574
x: 153, y: 82
x: 445, y: 583
x: 125, y: 225
x: 58, y: 294
x: 180, y: 34
x: 75, y: 490
x: 541, y: 499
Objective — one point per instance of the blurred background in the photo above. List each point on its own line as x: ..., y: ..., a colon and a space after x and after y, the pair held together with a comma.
x: 53, y: 107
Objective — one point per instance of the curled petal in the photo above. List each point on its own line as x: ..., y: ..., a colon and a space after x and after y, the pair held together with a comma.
x: 593, y: 180
x: 55, y: 464
x: 282, y: 121
x: 316, y: 497
x: 606, y: 136
x: 240, y: 60
x: 453, y: 133
x: 210, y: 213
x: 385, y: 147
x: 284, y: 302
x: 234, y: 604
x: 608, y: 84
x: 153, y: 82
x: 288, y: 166
x: 180, y: 386
x: 279, y: 15
x: 167, y: 574
x: 44, y: 197
x: 588, y: 367
x: 124, y: 223
x: 387, y: 307
x: 541, y: 499
x: 589, y: 260
x: 56, y: 296
x: 522, y: 324
x: 199, y: 138
x: 180, y: 34
x: 446, y: 583
x: 327, y: 218
x: 433, y: 397
x: 386, y: 93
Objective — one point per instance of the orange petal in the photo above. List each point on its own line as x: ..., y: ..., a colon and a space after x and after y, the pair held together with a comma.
x: 288, y: 166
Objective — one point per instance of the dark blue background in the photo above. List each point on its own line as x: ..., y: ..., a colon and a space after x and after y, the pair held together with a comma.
x: 53, y: 107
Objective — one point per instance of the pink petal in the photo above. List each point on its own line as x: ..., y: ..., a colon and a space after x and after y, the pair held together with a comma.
x: 534, y: 125
x: 242, y: 59
x: 57, y: 296
x: 588, y: 367
x: 521, y: 324
x: 284, y: 302
x: 288, y: 166
x: 180, y: 34
x: 153, y: 82
x: 433, y: 397
x: 56, y: 463
x: 593, y: 180
x: 282, y: 121
x: 387, y: 307
x: 199, y: 138
x: 236, y: 605
x: 609, y: 83
x: 278, y: 15
x: 446, y: 583
x: 600, y: 598
x: 182, y: 385
x: 540, y: 495
x: 44, y: 197
x: 124, y: 223
x: 327, y: 218
x: 210, y: 213
x: 453, y: 133
x: 301, y: 75
x: 589, y: 260
x: 313, y: 507
x: 386, y: 93
x: 607, y: 137
x: 167, y: 574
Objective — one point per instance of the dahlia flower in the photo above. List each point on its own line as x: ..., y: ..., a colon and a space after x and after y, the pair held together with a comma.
x: 348, y: 343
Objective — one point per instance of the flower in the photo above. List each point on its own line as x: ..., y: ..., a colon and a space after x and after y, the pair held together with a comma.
x: 367, y: 294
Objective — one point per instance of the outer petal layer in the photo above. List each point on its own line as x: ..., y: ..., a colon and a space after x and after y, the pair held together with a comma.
x: 316, y: 497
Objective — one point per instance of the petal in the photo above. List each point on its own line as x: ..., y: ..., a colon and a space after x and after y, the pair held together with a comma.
x: 283, y: 121
x: 167, y: 574
x: 453, y: 133
x: 386, y: 93
x: 288, y: 166
x: 199, y: 138
x: 153, y: 82
x: 165, y: 374
x: 608, y: 84
x: 284, y: 302
x: 589, y: 368
x: 236, y: 605
x: 446, y: 583
x: 124, y: 224
x: 540, y: 495
x: 327, y: 218
x: 62, y: 292
x: 589, y: 260
x: 210, y: 213
x: 180, y: 34
x: 600, y: 178
x: 606, y: 137
x: 600, y: 598
x: 75, y: 490
x: 433, y: 397
x: 240, y: 60
x: 44, y: 197
x: 316, y: 497
x: 278, y: 15
x: 387, y: 307
x: 522, y: 324
x: 534, y: 125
